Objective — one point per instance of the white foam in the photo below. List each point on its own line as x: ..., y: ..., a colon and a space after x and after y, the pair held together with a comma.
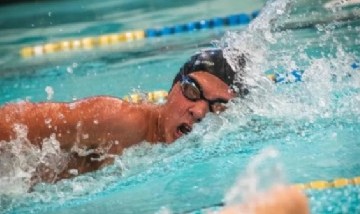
x: 256, y: 178
x: 20, y: 161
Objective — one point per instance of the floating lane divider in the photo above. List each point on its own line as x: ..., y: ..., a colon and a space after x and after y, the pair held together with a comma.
x: 279, y: 78
x: 160, y: 96
x: 322, y: 184
x: 151, y: 97
x: 81, y: 44
x: 313, y: 185
x: 111, y: 39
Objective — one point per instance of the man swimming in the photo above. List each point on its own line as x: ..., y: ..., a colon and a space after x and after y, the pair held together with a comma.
x: 91, y: 130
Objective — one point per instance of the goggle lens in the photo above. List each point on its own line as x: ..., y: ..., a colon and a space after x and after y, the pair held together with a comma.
x: 192, y: 92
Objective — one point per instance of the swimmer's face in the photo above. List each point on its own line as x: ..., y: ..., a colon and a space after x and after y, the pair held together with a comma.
x: 189, y: 101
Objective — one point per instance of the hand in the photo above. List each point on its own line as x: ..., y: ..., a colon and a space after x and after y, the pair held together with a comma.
x: 279, y: 200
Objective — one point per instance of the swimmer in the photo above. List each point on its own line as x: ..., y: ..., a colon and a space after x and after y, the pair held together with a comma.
x: 93, y: 129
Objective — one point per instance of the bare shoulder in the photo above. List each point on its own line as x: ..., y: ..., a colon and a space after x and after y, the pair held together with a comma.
x: 16, y: 106
x: 100, y: 100
x: 123, y: 121
x: 104, y: 104
x: 112, y: 112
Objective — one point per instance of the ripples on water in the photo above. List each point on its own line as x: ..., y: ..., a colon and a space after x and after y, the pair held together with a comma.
x: 287, y: 115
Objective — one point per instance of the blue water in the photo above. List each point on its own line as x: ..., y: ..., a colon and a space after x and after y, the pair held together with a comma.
x: 313, y: 125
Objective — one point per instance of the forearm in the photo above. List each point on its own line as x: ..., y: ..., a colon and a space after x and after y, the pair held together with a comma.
x: 279, y: 200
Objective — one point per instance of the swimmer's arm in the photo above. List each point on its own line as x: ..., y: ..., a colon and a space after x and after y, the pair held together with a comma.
x: 280, y: 200
x: 90, y: 123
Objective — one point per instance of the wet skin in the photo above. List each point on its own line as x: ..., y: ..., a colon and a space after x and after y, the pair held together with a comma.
x: 94, y: 128
x: 180, y: 110
x: 278, y: 200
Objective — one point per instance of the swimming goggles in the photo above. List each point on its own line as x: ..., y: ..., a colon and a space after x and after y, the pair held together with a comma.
x: 193, y: 92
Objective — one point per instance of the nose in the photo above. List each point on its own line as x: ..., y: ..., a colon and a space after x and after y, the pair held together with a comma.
x: 199, y: 110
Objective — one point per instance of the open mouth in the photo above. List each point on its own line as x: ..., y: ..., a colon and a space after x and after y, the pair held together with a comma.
x: 184, y: 128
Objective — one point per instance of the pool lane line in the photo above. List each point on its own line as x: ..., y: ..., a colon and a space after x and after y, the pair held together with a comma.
x: 296, y: 75
x: 313, y: 185
x: 157, y: 97
x: 323, y: 184
x: 160, y: 96
x: 88, y: 43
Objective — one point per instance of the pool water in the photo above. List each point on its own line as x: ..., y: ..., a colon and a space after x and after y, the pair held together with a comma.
x: 281, y: 133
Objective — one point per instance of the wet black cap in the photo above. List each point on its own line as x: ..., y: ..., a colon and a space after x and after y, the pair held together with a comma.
x: 213, y: 62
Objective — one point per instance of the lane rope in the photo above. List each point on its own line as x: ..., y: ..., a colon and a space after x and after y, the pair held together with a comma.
x: 88, y: 43
x: 160, y: 96
x: 313, y: 185
x: 324, y: 184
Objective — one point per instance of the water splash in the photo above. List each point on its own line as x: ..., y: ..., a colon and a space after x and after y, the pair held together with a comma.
x: 258, y: 177
x: 50, y: 92
x: 21, y: 160
x: 330, y: 90
x: 326, y: 80
x: 18, y: 162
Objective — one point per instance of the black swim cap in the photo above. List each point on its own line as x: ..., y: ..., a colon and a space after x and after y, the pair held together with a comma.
x: 213, y: 62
